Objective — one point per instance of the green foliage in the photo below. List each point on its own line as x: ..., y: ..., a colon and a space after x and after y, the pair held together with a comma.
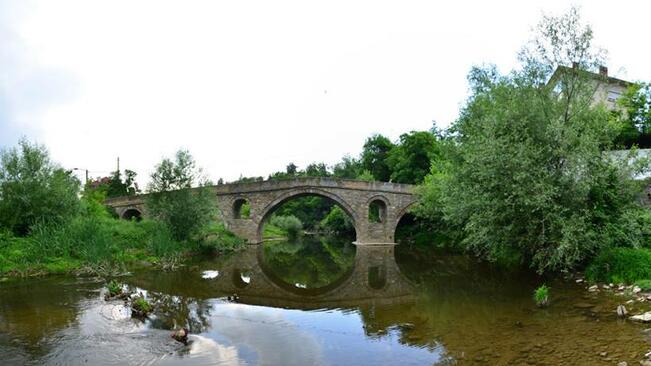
x: 644, y: 285
x: 541, y: 295
x: 620, y: 265
x: 349, y: 168
x: 216, y: 238
x: 290, y: 224
x: 337, y: 222
x: 366, y: 175
x: 526, y: 177
x: 410, y: 160
x: 141, y: 305
x: 635, y: 121
x: 116, y: 187
x: 34, y: 190
x: 114, y: 288
x: 310, y: 210
x: 172, y: 199
x: 374, y: 157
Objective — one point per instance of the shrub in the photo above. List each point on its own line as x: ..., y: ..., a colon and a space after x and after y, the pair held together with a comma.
x: 291, y: 224
x: 140, y: 306
x: 620, y: 265
x: 215, y: 237
x: 34, y: 189
x: 337, y: 222
x: 114, y: 288
x: 541, y: 296
x: 179, y: 196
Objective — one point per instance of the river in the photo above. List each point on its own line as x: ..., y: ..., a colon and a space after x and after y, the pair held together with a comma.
x: 318, y: 302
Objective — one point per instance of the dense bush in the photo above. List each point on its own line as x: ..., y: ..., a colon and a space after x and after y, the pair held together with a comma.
x: 290, y: 224
x: 337, y: 222
x: 620, y: 265
x: 173, y: 200
x: 34, y: 190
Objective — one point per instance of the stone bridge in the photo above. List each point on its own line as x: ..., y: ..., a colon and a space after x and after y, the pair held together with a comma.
x: 387, y: 202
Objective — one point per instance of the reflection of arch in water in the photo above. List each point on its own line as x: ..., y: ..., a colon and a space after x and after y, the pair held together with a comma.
x: 374, y: 275
x: 276, y: 280
x: 275, y: 204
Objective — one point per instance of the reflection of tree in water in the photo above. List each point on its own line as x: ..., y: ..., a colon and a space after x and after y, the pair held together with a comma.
x: 311, y: 262
x: 173, y: 312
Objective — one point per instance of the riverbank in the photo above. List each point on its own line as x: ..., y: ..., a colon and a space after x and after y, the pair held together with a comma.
x: 105, y: 245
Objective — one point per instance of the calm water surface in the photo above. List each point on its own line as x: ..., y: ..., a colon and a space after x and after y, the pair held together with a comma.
x: 318, y: 302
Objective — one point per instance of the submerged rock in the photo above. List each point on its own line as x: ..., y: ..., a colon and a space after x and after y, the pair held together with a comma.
x: 645, y: 318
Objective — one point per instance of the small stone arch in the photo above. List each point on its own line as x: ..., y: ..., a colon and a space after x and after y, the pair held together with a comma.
x: 132, y: 213
x: 271, y: 207
x: 239, y: 206
x: 399, y: 216
x: 377, y: 209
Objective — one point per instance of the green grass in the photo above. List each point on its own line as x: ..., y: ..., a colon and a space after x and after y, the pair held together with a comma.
x: 541, y: 295
x: 645, y: 285
x: 142, y: 305
x: 620, y: 265
x: 91, y: 242
x: 114, y: 288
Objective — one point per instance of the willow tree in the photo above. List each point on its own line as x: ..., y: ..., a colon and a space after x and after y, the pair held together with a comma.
x: 529, y: 180
x: 179, y: 196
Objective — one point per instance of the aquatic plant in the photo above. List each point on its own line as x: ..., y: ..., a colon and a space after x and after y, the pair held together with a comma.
x: 114, y: 288
x: 140, y: 307
x: 541, y: 296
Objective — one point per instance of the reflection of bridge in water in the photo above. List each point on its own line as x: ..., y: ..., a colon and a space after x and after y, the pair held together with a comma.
x: 374, y: 279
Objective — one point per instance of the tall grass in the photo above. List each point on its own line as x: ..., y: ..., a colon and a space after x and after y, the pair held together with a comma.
x: 620, y: 265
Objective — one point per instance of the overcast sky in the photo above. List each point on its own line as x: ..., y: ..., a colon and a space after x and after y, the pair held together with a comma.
x: 248, y: 86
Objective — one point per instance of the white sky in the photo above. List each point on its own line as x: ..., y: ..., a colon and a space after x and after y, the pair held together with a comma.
x: 248, y: 86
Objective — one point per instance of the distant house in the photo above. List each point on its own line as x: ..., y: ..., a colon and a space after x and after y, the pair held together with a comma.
x: 607, y: 89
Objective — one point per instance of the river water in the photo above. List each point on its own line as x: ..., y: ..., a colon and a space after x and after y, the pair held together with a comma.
x: 318, y: 302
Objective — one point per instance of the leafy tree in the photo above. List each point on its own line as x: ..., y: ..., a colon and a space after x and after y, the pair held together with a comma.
x: 33, y: 189
x: 374, y: 157
x: 409, y: 161
x: 635, y: 122
x: 527, y: 180
x: 179, y: 196
x: 117, y: 187
x: 317, y: 170
x: 338, y: 222
x: 348, y: 168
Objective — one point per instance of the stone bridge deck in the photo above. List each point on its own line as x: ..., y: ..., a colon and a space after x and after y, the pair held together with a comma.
x: 389, y: 201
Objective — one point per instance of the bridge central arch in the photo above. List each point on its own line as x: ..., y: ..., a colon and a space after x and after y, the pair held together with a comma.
x: 272, y: 206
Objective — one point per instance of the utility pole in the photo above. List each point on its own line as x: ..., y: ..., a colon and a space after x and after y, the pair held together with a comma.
x: 118, y: 165
x: 86, y: 170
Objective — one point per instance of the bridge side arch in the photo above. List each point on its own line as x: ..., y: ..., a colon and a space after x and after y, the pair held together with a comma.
x: 399, y: 215
x: 273, y: 205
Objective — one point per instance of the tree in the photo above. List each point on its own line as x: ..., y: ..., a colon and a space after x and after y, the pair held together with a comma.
x: 117, y: 188
x: 635, y: 122
x: 317, y: 170
x: 348, y: 168
x: 33, y: 189
x: 374, y: 157
x: 410, y: 160
x: 179, y: 196
x: 528, y: 180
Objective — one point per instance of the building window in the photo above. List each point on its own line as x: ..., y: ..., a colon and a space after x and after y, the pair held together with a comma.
x: 613, y: 95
